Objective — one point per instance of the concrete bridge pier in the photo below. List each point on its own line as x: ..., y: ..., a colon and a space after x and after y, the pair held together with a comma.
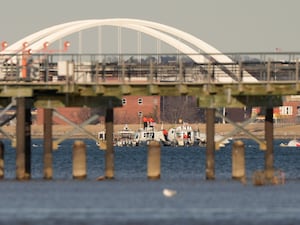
x: 153, y: 160
x: 210, y: 143
x: 269, y: 154
x: 23, y: 136
x: 79, y: 160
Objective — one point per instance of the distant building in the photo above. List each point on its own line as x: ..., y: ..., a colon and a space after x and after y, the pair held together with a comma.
x: 132, y: 111
x: 289, y: 112
x: 136, y: 107
x: 74, y: 114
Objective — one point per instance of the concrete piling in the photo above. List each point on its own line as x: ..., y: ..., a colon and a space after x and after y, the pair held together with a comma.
x: 79, y: 160
x: 153, y: 161
x: 1, y: 160
x: 238, y: 160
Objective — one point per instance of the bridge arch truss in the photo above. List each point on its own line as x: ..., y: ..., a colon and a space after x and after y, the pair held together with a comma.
x: 180, y: 40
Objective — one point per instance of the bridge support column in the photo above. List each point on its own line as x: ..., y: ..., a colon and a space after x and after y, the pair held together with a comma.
x: 109, y: 153
x: 269, y: 154
x: 210, y: 143
x: 23, y: 134
x: 48, y: 171
x: 79, y: 160
x: 153, y: 160
x: 238, y: 160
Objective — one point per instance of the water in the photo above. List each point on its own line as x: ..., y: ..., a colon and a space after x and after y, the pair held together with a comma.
x: 132, y: 199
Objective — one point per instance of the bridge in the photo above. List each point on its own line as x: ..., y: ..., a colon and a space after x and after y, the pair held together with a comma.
x: 77, y: 80
x: 32, y: 74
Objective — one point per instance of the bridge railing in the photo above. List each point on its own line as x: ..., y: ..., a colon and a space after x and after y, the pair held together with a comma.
x: 109, y: 68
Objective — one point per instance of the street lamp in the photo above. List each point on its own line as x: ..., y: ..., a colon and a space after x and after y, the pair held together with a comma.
x: 66, y: 45
x: 45, y: 45
x: 25, y: 45
x: 140, y: 115
x: 3, y: 45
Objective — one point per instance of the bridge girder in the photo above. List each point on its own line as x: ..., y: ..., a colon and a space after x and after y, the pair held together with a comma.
x: 209, y: 95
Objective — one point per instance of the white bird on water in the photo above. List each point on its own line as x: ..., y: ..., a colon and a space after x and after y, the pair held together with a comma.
x: 169, y: 193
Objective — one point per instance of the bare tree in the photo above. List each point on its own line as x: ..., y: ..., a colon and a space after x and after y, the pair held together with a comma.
x: 179, y: 107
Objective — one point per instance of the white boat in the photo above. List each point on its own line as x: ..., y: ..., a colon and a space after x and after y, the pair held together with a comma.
x: 125, y: 137
x: 291, y: 143
x: 144, y: 136
x: 201, y: 139
x: 101, y: 136
x: 182, y: 135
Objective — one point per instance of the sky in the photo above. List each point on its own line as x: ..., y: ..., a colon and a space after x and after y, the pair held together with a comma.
x: 228, y: 25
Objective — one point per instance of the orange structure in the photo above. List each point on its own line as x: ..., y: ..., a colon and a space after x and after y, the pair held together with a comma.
x: 25, y: 54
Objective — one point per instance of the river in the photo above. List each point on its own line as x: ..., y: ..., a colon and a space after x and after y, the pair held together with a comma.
x: 131, y: 198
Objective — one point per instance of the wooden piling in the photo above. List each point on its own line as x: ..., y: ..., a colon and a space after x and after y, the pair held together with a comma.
x: 109, y: 153
x: 210, y: 143
x: 238, y: 160
x: 269, y: 154
x: 23, y: 134
x: 48, y: 171
x: 1, y: 160
x: 153, y: 161
x: 79, y: 160
x: 28, y: 138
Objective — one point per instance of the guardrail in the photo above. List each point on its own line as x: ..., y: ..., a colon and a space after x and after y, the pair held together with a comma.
x: 91, y: 68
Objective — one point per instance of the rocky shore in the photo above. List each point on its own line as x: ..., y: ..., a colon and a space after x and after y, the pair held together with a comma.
x: 282, y: 131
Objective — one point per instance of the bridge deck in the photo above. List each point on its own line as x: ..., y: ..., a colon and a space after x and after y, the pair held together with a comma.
x: 76, y: 80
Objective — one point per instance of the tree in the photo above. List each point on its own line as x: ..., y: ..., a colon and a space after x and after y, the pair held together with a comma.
x: 179, y: 107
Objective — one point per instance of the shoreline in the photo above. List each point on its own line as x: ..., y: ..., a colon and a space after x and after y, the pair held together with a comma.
x: 280, y: 131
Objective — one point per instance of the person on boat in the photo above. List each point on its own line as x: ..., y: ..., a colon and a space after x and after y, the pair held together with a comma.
x: 165, y: 133
x: 151, y: 122
x: 145, y: 121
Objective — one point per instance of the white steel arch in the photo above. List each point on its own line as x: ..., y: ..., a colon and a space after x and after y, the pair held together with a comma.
x: 163, y: 32
x: 30, y: 39
x: 152, y: 32
x: 72, y: 27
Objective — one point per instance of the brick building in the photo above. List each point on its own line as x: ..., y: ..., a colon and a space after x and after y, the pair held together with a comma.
x: 134, y: 108
x: 74, y: 114
x: 289, y: 112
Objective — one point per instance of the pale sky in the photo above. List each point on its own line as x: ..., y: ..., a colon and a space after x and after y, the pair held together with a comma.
x: 228, y: 25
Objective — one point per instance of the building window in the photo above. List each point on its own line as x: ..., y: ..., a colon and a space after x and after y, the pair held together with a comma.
x: 124, y: 101
x: 140, y: 101
x: 286, y: 110
x: 140, y: 114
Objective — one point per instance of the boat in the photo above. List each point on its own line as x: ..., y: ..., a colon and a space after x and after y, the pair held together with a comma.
x: 125, y: 137
x: 148, y: 133
x: 291, y: 143
x: 182, y: 135
x: 101, y: 136
x: 144, y: 136
x: 220, y: 139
